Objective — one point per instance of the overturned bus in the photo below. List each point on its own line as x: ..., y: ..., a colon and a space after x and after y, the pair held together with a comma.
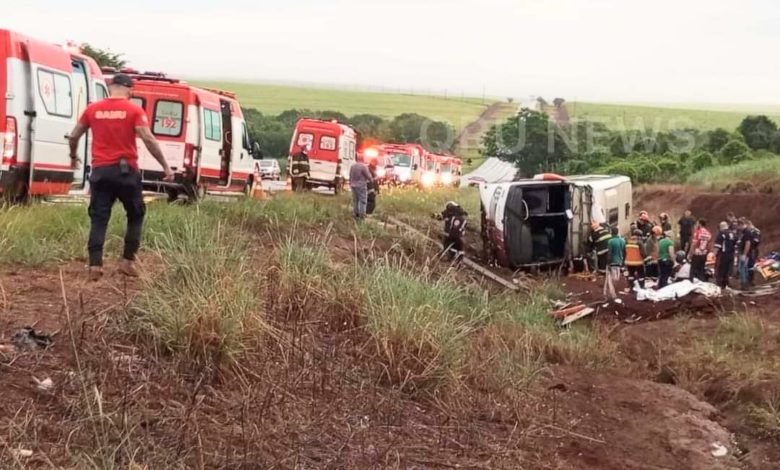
x: 546, y: 221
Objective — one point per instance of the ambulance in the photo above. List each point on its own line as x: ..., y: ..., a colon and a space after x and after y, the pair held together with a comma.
x: 378, y: 156
x: 410, y: 162
x: 331, y: 150
x: 46, y: 87
x: 449, y: 170
x: 202, y: 134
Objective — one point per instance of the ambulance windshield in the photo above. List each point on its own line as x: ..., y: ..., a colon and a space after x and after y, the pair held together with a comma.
x: 401, y: 159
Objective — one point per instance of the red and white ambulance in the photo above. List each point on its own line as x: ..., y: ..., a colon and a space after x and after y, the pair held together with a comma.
x: 46, y: 87
x: 449, y: 170
x: 202, y: 134
x: 331, y: 151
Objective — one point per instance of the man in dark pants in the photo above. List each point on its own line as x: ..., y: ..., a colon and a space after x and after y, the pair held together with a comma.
x: 700, y: 248
x: 725, y: 247
x: 687, y: 223
x: 454, y: 229
x: 115, y: 124
x: 748, y: 246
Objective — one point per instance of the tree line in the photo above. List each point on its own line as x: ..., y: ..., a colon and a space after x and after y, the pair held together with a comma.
x: 274, y: 132
x: 535, y: 144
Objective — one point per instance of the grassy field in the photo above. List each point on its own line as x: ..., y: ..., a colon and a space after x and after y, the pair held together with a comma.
x: 758, y: 172
x: 273, y: 99
x: 667, y: 118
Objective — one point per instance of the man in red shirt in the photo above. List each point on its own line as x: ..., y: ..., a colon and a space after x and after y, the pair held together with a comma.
x: 115, y: 123
x: 700, y: 248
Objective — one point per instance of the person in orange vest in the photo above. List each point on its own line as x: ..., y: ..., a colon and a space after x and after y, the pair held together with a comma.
x: 636, y: 259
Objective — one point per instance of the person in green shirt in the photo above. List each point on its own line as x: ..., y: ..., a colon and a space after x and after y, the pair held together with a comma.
x: 666, y: 258
x: 616, y: 255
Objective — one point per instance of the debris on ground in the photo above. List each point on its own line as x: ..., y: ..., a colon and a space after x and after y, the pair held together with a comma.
x: 29, y: 339
x: 22, y: 453
x: 577, y: 316
x: 719, y: 450
x: 44, y: 385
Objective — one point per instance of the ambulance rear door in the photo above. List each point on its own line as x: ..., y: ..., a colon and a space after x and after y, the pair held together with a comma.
x: 53, y: 117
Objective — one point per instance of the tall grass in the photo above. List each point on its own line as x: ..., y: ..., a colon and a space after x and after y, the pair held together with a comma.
x: 426, y: 329
x: 206, y: 302
x: 762, y: 171
x: 37, y: 234
x: 421, y: 325
x: 412, y: 203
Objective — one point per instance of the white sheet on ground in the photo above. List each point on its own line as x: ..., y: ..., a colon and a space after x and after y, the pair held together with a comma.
x: 677, y: 290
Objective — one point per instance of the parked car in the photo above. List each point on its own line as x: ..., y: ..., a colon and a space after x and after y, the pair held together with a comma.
x: 269, y: 170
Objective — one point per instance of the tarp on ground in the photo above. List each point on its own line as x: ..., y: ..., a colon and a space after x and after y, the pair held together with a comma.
x: 492, y: 170
x: 677, y: 290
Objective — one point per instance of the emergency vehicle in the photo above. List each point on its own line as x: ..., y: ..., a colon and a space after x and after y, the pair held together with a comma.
x: 449, y: 170
x: 410, y: 162
x: 385, y: 170
x: 46, y: 87
x: 547, y: 220
x: 331, y: 151
x: 202, y: 134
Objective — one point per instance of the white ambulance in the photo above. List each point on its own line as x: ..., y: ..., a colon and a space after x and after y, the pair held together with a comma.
x: 46, y: 87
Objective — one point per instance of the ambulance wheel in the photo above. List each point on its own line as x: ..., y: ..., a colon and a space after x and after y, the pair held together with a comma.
x: 337, y: 188
x: 173, y: 194
x: 249, y: 187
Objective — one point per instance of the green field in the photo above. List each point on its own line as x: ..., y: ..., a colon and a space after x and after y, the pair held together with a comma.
x: 273, y: 99
x: 665, y: 118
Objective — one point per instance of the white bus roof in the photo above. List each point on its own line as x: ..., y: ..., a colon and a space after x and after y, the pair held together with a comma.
x: 594, y: 181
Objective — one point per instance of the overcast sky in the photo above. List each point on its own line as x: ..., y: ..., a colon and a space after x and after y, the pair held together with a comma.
x: 693, y: 51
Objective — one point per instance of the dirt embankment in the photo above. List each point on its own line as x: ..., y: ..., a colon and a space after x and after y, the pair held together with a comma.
x: 762, y: 209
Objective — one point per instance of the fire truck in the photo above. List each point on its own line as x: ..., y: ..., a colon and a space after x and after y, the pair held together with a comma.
x: 46, y: 87
x: 331, y: 151
x: 202, y: 134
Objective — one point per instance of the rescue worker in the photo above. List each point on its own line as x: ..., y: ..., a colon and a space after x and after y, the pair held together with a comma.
x: 455, y: 219
x: 651, y: 251
x: 600, y: 235
x: 359, y: 181
x: 666, y: 258
x: 725, y: 247
x: 644, y: 224
x: 750, y: 242
x: 666, y: 225
x: 300, y: 168
x: 373, y: 189
x: 682, y: 272
x: 700, y: 247
x: 617, y: 255
x: 732, y: 221
x: 635, y: 260
x: 116, y: 123
x: 686, y: 223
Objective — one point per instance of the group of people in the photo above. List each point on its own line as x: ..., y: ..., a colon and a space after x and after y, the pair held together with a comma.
x: 651, y: 251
